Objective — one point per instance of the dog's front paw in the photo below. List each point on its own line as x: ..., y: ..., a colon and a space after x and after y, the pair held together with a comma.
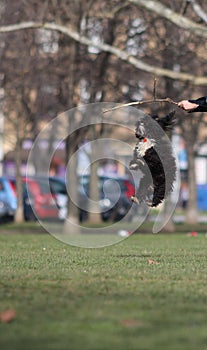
x: 133, y: 165
x: 134, y: 199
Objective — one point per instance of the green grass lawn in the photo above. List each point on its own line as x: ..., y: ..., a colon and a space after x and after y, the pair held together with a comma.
x: 110, y: 298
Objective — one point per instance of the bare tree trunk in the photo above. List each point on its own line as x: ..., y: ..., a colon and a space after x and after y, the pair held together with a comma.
x: 192, y: 211
x: 99, y: 82
x: 94, y: 214
x: 71, y: 224
x: 169, y: 89
x: 19, y: 216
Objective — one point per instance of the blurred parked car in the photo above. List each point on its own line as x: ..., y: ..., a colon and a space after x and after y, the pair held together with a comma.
x: 48, y: 198
x: 39, y: 202
x: 8, y: 200
x: 115, y: 193
x: 59, y: 189
x: 115, y: 197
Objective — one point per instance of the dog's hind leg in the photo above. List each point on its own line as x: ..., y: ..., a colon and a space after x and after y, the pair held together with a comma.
x: 144, y: 192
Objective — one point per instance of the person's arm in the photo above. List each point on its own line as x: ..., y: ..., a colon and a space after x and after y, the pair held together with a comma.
x: 199, y: 105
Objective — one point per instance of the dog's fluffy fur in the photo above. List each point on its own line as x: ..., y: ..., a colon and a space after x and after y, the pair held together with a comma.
x: 154, y: 157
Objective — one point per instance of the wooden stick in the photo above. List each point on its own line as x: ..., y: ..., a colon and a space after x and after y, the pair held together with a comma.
x: 159, y: 100
x: 154, y: 87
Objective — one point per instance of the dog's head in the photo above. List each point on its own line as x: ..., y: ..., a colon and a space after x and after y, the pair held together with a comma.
x: 145, y: 128
x: 141, y: 131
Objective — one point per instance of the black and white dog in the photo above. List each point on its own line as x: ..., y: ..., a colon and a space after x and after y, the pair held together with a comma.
x: 153, y: 155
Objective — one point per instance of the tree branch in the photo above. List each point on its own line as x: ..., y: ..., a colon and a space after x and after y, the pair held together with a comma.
x: 20, y: 26
x: 179, y: 20
x: 121, y: 54
x: 111, y: 14
x: 199, y: 11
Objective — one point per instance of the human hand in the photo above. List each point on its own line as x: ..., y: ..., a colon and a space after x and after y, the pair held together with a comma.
x: 187, y: 105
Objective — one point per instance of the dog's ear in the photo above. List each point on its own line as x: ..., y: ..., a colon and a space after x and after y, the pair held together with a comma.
x: 170, y: 117
x: 168, y: 121
x: 140, y: 130
x: 155, y: 117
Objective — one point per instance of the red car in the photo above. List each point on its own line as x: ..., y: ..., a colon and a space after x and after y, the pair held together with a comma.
x: 39, y: 202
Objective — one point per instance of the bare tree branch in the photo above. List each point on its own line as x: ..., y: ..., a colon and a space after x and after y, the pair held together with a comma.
x: 20, y: 26
x: 112, y: 12
x: 163, y: 11
x: 199, y: 11
x: 123, y: 55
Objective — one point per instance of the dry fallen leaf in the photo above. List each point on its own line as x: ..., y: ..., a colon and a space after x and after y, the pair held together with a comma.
x: 152, y: 262
x: 7, y: 316
x: 131, y: 323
